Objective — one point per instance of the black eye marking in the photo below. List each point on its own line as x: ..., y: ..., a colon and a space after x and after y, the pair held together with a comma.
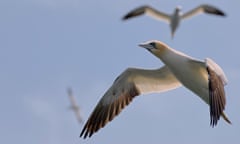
x: 152, y: 44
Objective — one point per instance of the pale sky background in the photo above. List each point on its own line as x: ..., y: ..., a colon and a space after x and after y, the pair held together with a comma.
x: 49, y: 45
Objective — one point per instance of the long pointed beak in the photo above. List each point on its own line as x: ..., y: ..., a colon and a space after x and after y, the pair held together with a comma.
x: 147, y: 46
x: 144, y: 45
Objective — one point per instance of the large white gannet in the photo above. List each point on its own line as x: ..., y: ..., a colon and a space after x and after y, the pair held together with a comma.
x: 175, y: 18
x: 74, y: 106
x: 204, y: 78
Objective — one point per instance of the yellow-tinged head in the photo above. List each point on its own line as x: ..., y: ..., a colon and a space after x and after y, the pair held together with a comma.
x: 155, y: 47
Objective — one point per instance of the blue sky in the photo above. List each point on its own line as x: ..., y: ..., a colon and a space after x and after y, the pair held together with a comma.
x: 49, y: 45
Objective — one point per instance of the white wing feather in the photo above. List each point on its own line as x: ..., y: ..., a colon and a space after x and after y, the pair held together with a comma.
x: 132, y: 82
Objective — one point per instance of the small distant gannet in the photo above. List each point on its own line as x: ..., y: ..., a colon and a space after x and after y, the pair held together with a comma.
x: 204, y: 78
x: 74, y: 106
x: 175, y: 18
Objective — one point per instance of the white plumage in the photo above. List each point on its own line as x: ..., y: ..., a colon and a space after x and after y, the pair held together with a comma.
x: 204, y: 78
x: 175, y: 18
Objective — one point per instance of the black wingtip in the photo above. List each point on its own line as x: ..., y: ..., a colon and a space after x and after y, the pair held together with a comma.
x: 213, y: 10
x: 127, y: 16
x: 82, y: 133
x: 220, y: 13
x: 136, y: 12
x: 84, y: 136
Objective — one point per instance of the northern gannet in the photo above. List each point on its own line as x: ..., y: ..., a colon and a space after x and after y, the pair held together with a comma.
x: 175, y: 18
x: 204, y: 78
x: 74, y: 106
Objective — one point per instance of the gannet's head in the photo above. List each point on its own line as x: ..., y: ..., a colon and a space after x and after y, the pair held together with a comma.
x: 178, y: 8
x: 155, y: 47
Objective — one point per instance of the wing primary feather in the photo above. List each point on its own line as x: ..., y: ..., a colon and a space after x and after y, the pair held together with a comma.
x: 217, y: 98
x: 131, y: 83
x: 103, y: 114
x: 213, y: 10
x: 149, y: 11
x: 203, y: 9
x: 111, y: 113
x: 136, y: 12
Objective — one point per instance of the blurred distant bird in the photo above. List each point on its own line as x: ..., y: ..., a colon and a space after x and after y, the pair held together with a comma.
x: 175, y: 18
x: 74, y: 106
x: 204, y: 78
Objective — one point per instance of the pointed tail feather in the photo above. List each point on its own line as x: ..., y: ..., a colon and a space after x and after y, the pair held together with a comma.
x: 226, y: 118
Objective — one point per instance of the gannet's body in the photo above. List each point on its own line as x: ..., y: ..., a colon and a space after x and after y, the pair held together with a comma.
x: 204, y: 78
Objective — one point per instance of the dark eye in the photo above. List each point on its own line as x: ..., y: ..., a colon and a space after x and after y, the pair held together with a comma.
x: 152, y: 44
